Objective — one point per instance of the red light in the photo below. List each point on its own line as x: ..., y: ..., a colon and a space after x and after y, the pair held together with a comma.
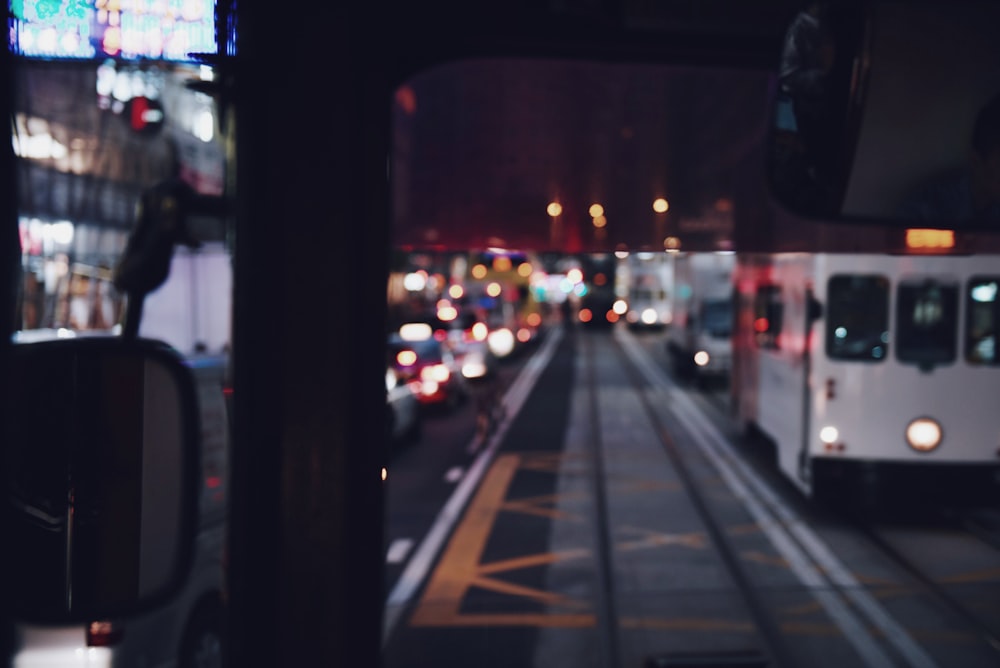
x: 140, y: 106
x: 611, y: 316
x: 440, y: 334
x: 228, y: 391
x: 761, y: 325
x: 213, y: 481
x: 586, y: 315
x: 103, y: 634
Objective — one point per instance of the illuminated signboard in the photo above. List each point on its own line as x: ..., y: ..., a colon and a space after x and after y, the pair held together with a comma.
x: 923, y: 240
x: 127, y: 29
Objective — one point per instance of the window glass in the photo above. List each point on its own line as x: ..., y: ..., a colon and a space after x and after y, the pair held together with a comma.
x: 768, y: 313
x: 857, y: 317
x: 717, y: 317
x: 982, y: 314
x: 927, y: 321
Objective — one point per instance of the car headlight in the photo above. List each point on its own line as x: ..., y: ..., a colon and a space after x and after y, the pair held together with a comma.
x: 501, y: 342
x: 923, y: 434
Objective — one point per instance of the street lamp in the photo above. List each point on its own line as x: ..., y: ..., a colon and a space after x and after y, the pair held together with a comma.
x: 554, y: 209
x: 660, y: 206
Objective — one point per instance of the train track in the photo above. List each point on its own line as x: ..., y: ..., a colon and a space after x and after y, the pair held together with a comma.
x: 875, y: 634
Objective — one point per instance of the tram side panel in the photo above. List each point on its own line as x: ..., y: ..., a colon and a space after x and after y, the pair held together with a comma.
x: 771, y: 385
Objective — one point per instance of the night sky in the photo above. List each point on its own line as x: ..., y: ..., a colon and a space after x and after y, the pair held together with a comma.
x: 480, y: 148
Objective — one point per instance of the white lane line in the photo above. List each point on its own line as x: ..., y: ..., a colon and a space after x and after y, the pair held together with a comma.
x: 398, y: 550
x: 418, y: 567
x: 454, y: 474
x: 781, y: 524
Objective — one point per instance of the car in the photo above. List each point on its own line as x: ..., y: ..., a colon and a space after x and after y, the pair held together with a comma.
x: 427, y: 365
x: 404, y: 421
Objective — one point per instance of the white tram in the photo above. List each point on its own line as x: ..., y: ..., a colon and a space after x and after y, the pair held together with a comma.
x: 870, y: 367
x: 648, y: 287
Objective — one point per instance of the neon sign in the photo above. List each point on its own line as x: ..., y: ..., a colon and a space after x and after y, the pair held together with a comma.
x: 125, y: 29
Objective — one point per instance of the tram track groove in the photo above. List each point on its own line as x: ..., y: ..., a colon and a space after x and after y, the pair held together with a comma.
x: 769, y: 631
x: 607, y: 607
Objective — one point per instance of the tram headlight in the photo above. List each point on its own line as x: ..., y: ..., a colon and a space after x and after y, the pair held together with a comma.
x: 829, y: 435
x: 650, y: 316
x: 923, y: 434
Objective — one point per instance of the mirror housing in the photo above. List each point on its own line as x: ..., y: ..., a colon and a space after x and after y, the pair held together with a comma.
x: 888, y: 112
x: 101, y: 461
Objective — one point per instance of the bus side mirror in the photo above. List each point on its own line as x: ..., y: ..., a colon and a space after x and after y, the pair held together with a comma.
x: 885, y: 112
x: 100, y: 448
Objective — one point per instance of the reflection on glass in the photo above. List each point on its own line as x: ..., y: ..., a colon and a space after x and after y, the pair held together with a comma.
x: 983, y: 312
x: 857, y: 317
x: 927, y: 322
x: 768, y: 314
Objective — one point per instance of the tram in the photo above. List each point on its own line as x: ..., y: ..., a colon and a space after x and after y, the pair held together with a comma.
x: 867, y: 368
x: 649, y: 287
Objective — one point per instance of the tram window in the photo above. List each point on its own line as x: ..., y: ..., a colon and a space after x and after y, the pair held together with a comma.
x: 857, y: 320
x: 982, y: 314
x: 927, y: 322
x: 768, y: 312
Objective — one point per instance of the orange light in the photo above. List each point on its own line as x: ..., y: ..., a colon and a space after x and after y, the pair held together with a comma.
x: 437, y: 373
x: 456, y: 291
x: 479, y: 271
x: 524, y: 269
x: 929, y: 240
x: 611, y: 316
x: 600, y: 221
x: 596, y: 210
x: 660, y: 205
x: 761, y: 325
x: 554, y: 209
x: 534, y: 319
x: 493, y: 289
x: 523, y: 335
x: 406, y: 358
x: 502, y: 263
x: 586, y: 315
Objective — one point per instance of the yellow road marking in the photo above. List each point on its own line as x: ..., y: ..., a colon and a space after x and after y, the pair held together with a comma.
x: 547, y: 597
x: 461, y: 558
x: 986, y: 575
x: 542, y: 506
x: 766, y: 559
x: 531, y: 560
x: 650, y: 539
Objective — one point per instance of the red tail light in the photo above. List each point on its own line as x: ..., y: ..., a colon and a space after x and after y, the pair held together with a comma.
x: 439, y: 373
x: 104, y: 634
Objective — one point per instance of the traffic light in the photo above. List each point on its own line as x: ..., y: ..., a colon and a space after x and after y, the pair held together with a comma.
x: 144, y: 115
